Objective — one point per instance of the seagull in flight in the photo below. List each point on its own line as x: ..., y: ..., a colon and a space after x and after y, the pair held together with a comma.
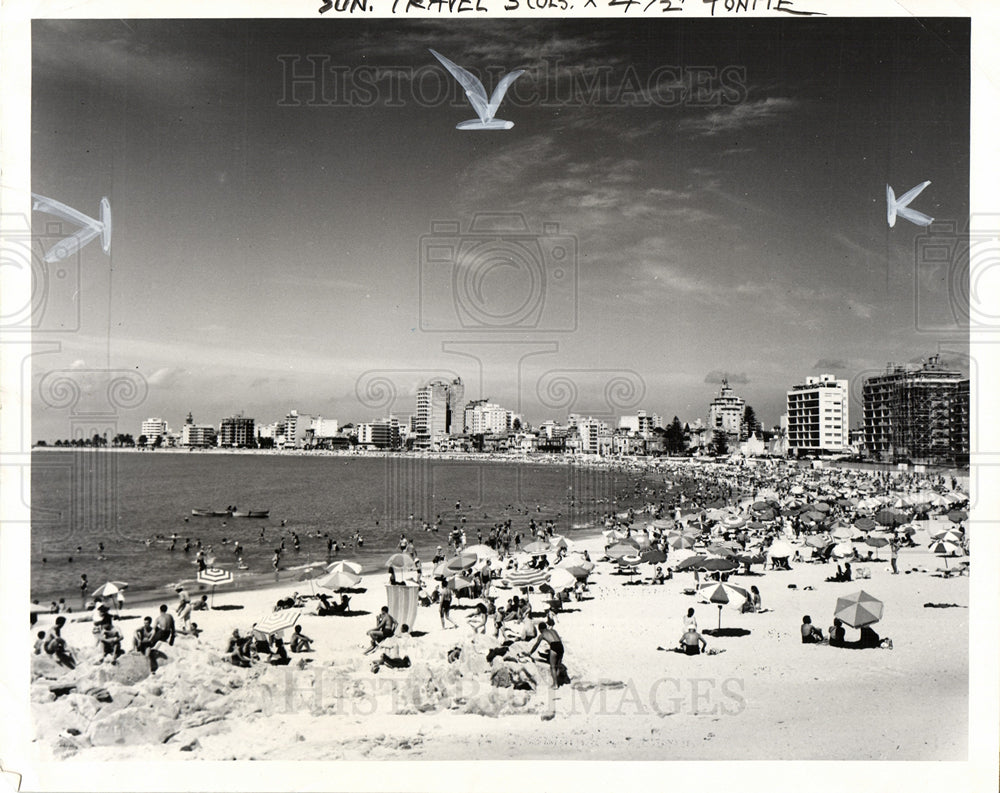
x: 899, y: 206
x: 89, y: 228
x: 485, y: 108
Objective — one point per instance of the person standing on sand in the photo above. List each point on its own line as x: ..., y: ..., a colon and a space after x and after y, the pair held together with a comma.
x: 184, y: 608
x: 84, y: 586
x: 893, y: 554
x: 164, y: 629
x: 444, y: 608
x: 548, y: 634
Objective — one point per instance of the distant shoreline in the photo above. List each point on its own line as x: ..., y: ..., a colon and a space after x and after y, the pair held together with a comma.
x: 589, y: 460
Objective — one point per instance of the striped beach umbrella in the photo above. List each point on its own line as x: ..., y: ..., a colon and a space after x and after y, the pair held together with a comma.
x: 277, y: 621
x: 944, y: 549
x: 344, y: 566
x: 526, y: 578
x: 464, y: 561
x: 339, y: 579
x: 401, y: 562
x: 858, y: 609
x: 537, y: 548
x: 723, y: 594
x: 214, y: 576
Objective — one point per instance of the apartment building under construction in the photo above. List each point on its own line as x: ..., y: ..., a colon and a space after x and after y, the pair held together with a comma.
x: 917, y: 414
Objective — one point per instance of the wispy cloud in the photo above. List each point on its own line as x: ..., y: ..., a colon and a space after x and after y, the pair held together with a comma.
x: 737, y: 117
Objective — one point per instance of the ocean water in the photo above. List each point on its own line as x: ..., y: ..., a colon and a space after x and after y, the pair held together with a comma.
x: 132, y: 502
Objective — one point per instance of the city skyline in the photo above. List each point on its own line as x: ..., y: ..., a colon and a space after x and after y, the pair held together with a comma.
x: 724, y: 207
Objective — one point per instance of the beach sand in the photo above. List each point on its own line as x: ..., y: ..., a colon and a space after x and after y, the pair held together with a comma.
x: 765, y: 695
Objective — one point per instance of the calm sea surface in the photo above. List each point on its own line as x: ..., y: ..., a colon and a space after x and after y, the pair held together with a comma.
x: 132, y: 502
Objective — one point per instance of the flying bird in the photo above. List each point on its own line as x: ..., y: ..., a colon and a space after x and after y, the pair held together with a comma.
x: 899, y: 206
x: 485, y: 108
x: 89, y: 228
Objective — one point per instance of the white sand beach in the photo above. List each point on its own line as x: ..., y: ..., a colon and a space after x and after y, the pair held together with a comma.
x: 763, y: 695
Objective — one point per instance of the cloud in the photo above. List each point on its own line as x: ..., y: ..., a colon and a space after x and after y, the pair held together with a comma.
x: 831, y: 364
x: 716, y: 376
x: 738, y: 117
x: 165, y: 377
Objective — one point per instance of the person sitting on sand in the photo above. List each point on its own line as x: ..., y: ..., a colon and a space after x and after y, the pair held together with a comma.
x: 690, y: 621
x: 201, y: 605
x: 56, y: 645
x: 277, y: 656
x: 102, y: 620
x: 111, y: 643
x: 848, y: 575
x: 836, y: 577
x: 393, y: 654
x: 752, y: 604
x: 837, y: 633
x: 547, y: 633
x: 142, y: 639
x: 385, y: 626
x: 300, y: 643
x: 658, y: 576
x: 869, y: 639
x: 237, y: 650
x: 40, y: 643
x: 692, y: 642
x: 810, y: 633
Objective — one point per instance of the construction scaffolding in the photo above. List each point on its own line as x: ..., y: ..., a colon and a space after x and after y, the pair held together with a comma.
x: 919, y: 415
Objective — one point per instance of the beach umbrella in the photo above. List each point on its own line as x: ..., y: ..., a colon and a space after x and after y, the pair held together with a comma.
x: 463, y: 561
x: 110, y: 589
x: 344, y: 565
x: 682, y: 541
x: 718, y: 564
x: 845, y: 533
x: 277, y: 621
x: 693, y: 562
x: 734, y: 521
x: 958, y: 515
x: 662, y: 523
x: 875, y: 542
x: 757, y: 506
x: 891, y: 517
x: 559, y: 541
x: 722, y: 593
x: 579, y: 569
x: 459, y: 582
x: 721, y: 549
x: 526, y: 578
x: 536, y: 548
x: 843, y: 549
x: 944, y: 549
x: 864, y: 524
x: 482, y: 552
x: 780, y: 550
x: 818, y: 540
x: 214, y: 576
x: 909, y: 529
x: 561, y: 578
x: 339, y: 579
x: 948, y: 535
x: 401, y: 561
x: 621, y: 550
x: 858, y: 609
x: 653, y: 556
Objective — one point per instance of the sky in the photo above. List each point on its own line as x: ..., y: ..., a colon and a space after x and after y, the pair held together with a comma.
x: 676, y: 203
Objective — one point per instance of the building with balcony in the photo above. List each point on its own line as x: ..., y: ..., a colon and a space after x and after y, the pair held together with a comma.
x: 817, y: 416
x: 725, y: 413
x: 237, y: 432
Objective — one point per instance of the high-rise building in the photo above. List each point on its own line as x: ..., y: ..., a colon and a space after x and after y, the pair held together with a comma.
x: 325, y: 428
x: 456, y: 407
x: 482, y: 417
x: 725, y: 413
x: 153, y: 427
x: 432, y: 414
x: 383, y: 434
x: 237, y: 432
x: 818, y: 415
x: 919, y: 414
x: 298, y: 426
x: 197, y: 435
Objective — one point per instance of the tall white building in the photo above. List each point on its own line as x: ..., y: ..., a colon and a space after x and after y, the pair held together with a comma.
x: 431, y: 425
x: 725, y: 413
x: 297, y: 427
x: 818, y: 415
x: 482, y: 417
x: 153, y: 427
x: 325, y: 428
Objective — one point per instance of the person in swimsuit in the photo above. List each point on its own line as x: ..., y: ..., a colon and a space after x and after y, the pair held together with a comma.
x: 444, y: 608
x: 548, y: 634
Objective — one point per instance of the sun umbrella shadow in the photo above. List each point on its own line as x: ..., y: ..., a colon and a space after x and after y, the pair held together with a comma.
x: 726, y: 632
x: 228, y: 607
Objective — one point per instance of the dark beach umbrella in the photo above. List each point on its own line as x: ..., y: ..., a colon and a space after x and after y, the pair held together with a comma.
x: 957, y: 515
x: 891, y: 517
x: 653, y: 556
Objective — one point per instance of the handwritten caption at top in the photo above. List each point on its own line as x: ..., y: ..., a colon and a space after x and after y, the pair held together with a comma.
x: 458, y: 7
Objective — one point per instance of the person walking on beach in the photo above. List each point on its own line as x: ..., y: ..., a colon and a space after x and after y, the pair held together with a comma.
x: 184, y: 608
x: 84, y: 586
x: 444, y: 607
x: 893, y: 554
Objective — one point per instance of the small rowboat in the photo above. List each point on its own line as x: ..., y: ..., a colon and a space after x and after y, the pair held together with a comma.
x: 211, y: 513
x: 253, y: 513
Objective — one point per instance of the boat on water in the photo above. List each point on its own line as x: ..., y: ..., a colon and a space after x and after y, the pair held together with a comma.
x: 211, y: 513
x: 251, y: 513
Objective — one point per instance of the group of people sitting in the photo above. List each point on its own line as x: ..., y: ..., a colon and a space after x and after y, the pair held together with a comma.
x: 245, y: 650
x: 868, y: 639
x: 842, y: 574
